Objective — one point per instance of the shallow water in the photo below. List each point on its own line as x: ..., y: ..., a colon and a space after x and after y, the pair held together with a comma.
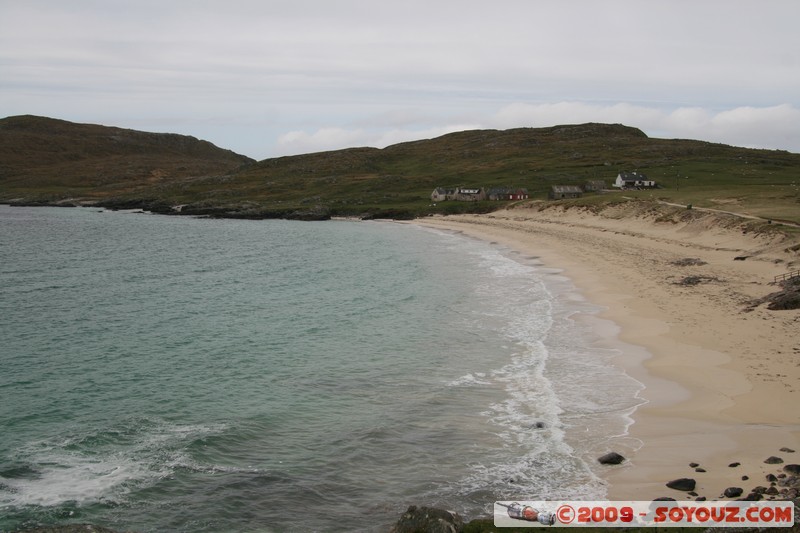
x: 178, y: 374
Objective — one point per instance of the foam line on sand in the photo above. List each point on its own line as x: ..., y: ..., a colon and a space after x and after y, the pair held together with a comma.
x: 723, y: 379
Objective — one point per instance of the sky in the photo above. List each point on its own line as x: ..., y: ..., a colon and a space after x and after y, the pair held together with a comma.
x: 269, y: 78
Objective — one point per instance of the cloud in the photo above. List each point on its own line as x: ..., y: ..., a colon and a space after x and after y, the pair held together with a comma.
x: 759, y: 127
x: 752, y: 127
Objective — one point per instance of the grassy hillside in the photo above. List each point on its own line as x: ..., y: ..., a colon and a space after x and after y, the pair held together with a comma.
x: 43, y: 160
x: 394, y: 181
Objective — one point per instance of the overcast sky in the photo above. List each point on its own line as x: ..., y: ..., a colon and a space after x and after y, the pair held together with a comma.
x: 268, y: 78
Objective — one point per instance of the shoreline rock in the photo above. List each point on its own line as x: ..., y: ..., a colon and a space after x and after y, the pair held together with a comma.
x: 782, y: 485
x: 611, y: 458
x: 428, y: 520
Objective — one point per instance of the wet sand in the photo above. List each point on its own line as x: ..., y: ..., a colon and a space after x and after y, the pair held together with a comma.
x: 723, y: 376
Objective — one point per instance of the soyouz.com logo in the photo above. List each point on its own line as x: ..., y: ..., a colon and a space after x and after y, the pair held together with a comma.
x: 643, y: 514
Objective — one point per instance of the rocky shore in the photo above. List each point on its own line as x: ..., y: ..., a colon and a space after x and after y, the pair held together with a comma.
x: 781, y: 483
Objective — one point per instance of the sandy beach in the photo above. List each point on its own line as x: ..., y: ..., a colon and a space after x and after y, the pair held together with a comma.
x: 722, y: 375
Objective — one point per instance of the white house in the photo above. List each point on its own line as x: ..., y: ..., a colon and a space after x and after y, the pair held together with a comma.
x: 633, y: 180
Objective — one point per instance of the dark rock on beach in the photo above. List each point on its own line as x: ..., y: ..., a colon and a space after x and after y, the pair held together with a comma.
x: 684, y: 484
x: 689, y: 261
x: 611, y: 458
x: 784, y: 486
x: 428, y: 519
x: 773, y: 460
x: 792, y: 469
x: 733, y: 492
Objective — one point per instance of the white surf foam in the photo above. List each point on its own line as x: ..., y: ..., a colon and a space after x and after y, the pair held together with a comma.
x: 67, y: 470
x: 479, y: 378
x: 63, y: 478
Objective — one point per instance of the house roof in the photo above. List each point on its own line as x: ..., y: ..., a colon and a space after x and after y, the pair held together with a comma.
x: 561, y: 189
x: 632, y: 176
x: 508, y: 190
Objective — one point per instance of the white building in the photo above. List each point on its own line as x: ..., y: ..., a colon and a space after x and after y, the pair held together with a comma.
x: 633, y: 180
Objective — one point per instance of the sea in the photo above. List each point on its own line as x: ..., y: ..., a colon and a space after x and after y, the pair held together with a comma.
x: 176, y: 374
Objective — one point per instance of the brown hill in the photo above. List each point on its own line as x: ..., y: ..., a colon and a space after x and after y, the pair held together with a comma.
x: 47, y: 160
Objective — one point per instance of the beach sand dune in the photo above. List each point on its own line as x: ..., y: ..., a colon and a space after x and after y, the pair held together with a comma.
x: 723, y: 376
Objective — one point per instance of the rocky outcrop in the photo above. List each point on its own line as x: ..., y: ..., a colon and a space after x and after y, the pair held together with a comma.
x: 786, y: 298
x: 428, y: 520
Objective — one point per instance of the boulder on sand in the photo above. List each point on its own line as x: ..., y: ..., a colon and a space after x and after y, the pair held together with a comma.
x: 611, y: 458
x: 685, y: 484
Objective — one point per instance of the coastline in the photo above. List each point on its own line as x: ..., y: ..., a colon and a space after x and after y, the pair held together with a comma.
x: 721, y: 375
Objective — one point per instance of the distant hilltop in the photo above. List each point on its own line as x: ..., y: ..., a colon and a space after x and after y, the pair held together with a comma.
x: 44, y: 161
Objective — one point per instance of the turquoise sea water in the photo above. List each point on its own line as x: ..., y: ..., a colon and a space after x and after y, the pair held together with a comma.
x: 178, y: 374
